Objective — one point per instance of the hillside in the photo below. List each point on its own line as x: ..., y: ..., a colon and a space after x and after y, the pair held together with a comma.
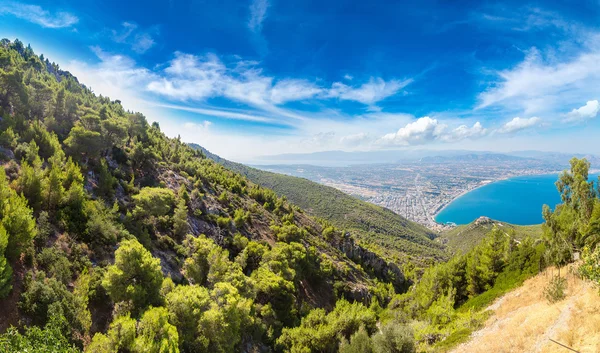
x: 377, y: 228
x: 463, y: 238
x: 108, y: 226
x: 524, y: 321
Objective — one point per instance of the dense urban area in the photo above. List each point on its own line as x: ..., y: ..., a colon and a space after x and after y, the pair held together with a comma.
x: 418, y: 190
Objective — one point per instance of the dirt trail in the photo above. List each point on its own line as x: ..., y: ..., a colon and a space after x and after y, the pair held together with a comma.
x: 523, y: 321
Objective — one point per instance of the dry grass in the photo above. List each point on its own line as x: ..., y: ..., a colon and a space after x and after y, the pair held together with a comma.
x: 523, y: 321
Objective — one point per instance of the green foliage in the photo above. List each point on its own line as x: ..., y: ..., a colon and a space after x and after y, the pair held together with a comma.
x: 136, y: 276
x: 153, y: 202
x: 50, y: 339
x: 555, y: 290
x: 240, y: 218
x: 180, y: 219
x: 323, y: 332
x: 382, y: 230
x: 590, y: 267
x: 394, y: 338
x: 16, y: 218
x: 155, y: 334
x: 360, y: 342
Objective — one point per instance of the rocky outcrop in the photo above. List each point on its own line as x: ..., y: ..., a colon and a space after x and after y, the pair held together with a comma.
x: 386, y: 270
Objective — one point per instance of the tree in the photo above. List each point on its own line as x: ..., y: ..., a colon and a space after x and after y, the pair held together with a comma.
x: 136, y: 276
x: 186, y: 305
x: 153, y: 202
x: 360, y: 342
x: 155, y: 334
x: 180, y: 219
x: 5, y: 268
x: 16, y: 218
x: 84, y: 144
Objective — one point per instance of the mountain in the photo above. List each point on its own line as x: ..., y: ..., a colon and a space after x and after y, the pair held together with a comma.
x: 377, y: 228
x: 114, y: 237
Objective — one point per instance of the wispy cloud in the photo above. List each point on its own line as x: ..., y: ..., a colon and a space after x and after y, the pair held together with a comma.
x: 37, y: 15
x: 191, y: 77
x: 368, y: 93
x: 258, y: 13
x: 519, y: 124
x: 140, y: 41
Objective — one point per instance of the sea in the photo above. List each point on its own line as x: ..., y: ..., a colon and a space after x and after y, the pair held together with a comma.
x: 517, y: 200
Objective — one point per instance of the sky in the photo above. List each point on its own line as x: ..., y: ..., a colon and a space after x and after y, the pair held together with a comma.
x: 252, y: 78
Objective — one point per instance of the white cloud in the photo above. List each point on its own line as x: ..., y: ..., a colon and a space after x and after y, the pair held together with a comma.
x: 540, y: 84
x: 368, y: 93
x: 518, y: 124
x: 421, y: 131
x: 37, y: 15
x: 348, y: 77
x: 293, y: 90
x: 355, y: 140
x: 258, y: 13
x: 120, y: 36
x: 197, y: 126
x: 464, y: 132
x: 140, y: 42
x: 588, y: 111
x: 191, y: 77
x: 427, y: 130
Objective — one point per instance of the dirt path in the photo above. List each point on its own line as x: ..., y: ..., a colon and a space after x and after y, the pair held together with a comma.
x: 523, y: 321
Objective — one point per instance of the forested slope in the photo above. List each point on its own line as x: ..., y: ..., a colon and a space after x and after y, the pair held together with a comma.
x: 376, y: 227
x: 114, y: 237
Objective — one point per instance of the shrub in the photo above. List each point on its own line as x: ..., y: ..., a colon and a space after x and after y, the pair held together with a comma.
x: 153, y: 202
x: 555, y: 290
x: 394, y: 338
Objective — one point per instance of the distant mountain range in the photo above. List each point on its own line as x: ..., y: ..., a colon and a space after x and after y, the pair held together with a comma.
x: 341, y: 158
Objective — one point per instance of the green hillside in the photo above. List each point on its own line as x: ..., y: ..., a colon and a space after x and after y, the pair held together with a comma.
x: 376, y: 227
x: 463, y: 238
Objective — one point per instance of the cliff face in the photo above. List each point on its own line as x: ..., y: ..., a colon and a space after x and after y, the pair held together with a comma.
x: 386, y: 270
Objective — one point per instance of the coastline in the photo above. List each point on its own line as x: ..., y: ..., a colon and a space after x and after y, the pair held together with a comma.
x: 463, y: 193
x: 482, y: 184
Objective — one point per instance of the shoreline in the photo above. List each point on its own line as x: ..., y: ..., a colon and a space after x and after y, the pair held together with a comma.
x: 491, y: 181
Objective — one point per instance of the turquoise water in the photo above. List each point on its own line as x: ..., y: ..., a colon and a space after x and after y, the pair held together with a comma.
x: 517, y: 200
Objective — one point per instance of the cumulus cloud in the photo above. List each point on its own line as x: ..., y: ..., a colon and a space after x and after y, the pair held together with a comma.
x: 464, y: 132
x: 518, y: 124
x: 258, y: 13
x: 421, y: 131
x: 37, y: 15
x: 588, y: 111
x: 426, y: 130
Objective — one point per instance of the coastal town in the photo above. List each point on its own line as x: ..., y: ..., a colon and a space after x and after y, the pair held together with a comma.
x: 418, y: 190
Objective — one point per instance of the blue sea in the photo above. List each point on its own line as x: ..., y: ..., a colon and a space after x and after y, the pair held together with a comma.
x: 517, y: 200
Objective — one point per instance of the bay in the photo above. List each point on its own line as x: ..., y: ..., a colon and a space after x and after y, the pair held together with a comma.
x: 516, y: 200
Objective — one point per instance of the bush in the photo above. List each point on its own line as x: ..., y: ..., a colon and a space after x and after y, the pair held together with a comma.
x: 394, y: 338
x: 153, y: 202
x: 555, y: 290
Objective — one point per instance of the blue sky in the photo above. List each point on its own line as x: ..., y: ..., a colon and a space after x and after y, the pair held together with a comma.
x: 259, y: 77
